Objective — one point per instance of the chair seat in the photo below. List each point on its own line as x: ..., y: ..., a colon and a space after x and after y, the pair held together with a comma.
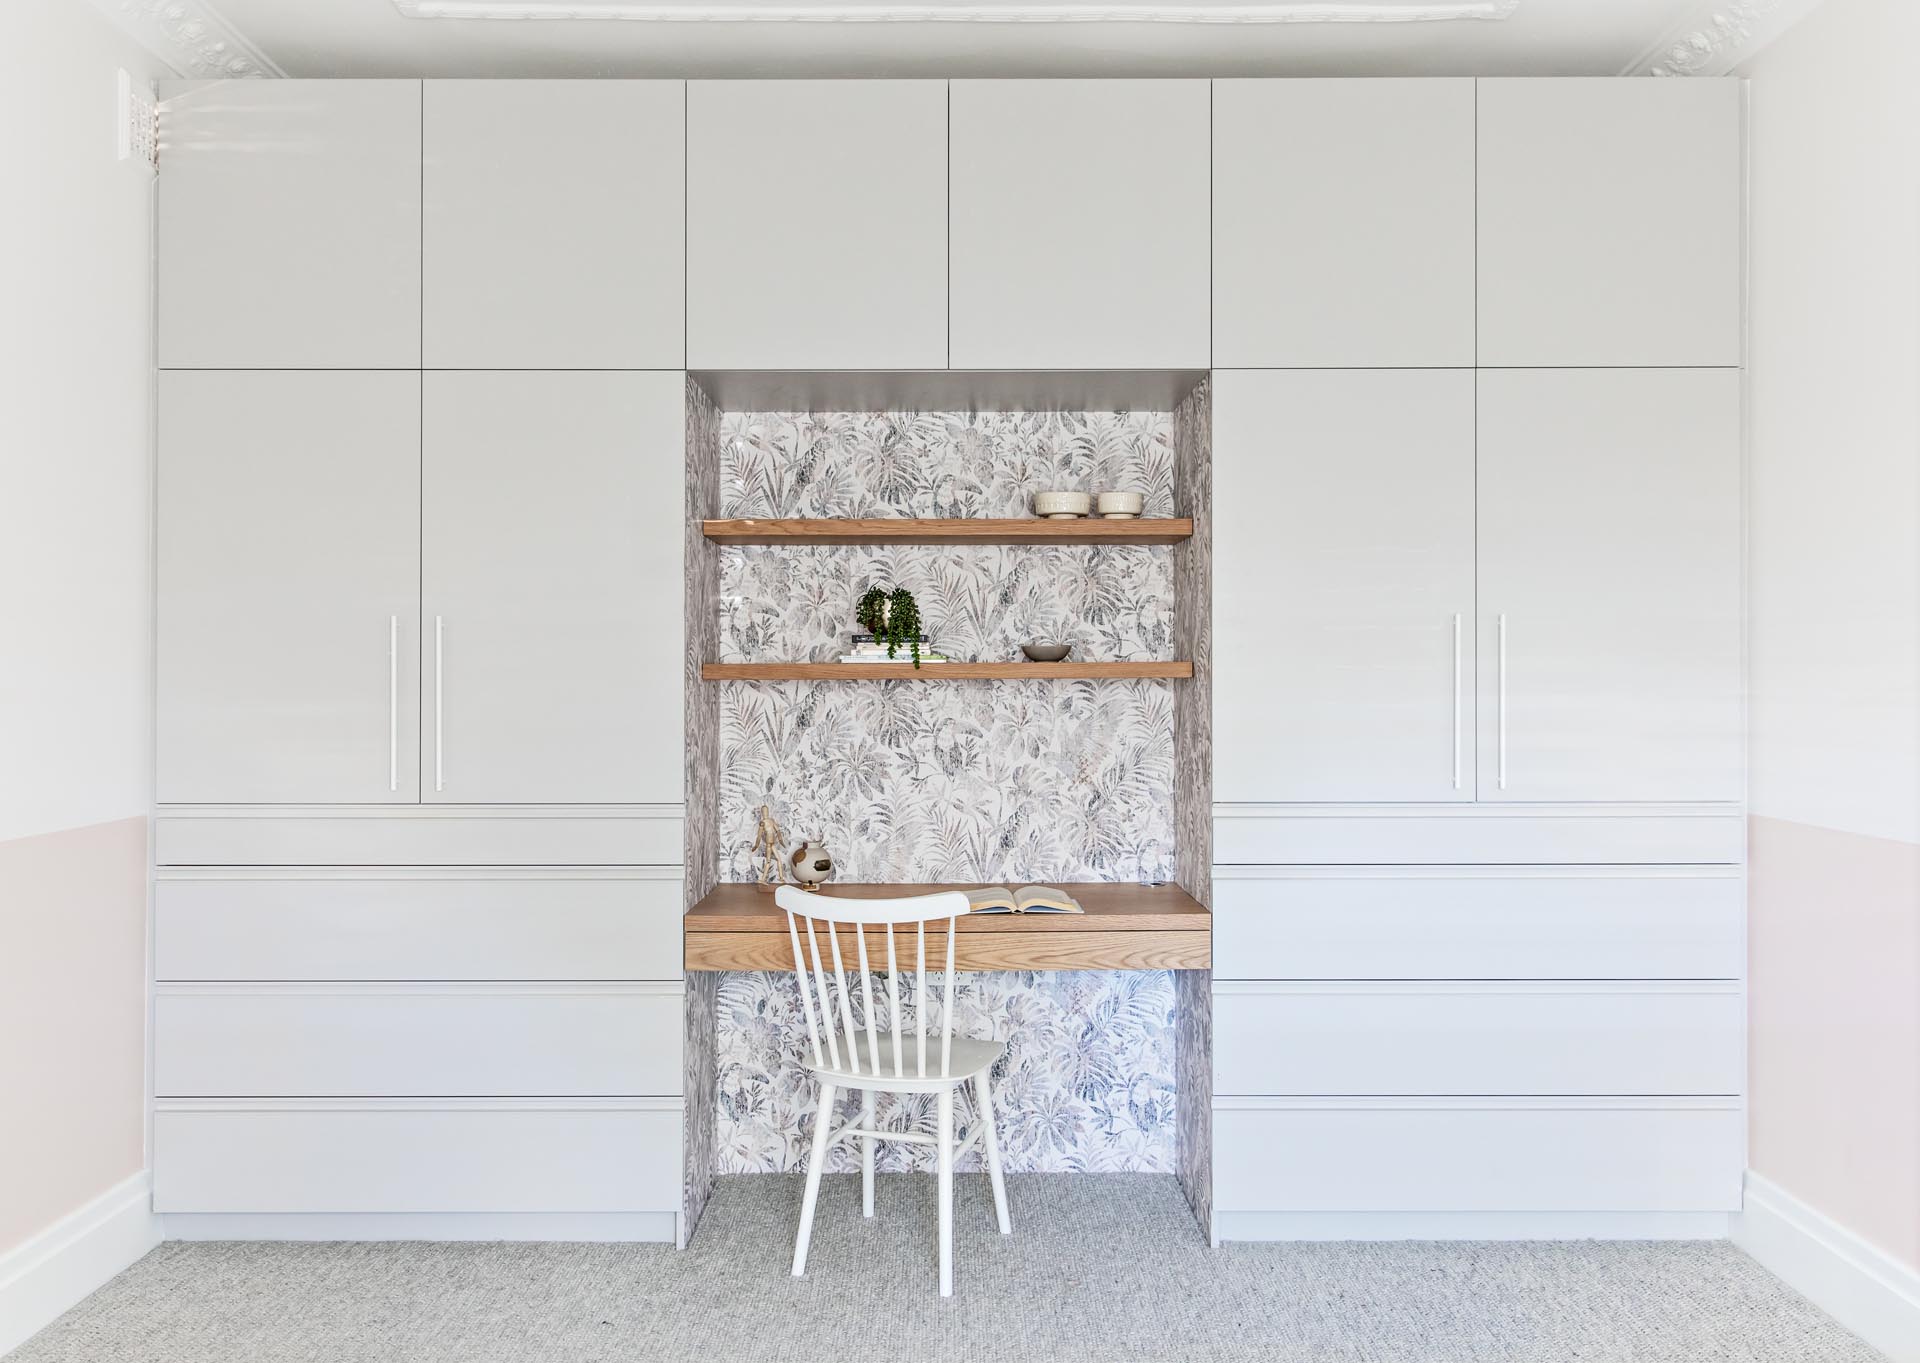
x: 969, y: 1058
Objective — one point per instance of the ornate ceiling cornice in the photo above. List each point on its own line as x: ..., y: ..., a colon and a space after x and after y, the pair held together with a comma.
x: 1040, y: 11
x: 1717, y: 35
x: 191, y: 37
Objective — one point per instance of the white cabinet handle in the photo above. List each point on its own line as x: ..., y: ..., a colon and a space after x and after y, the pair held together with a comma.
x: 1456, y: 701
x: 1502, y: 715
x: 393, y: 702
x: 439, y: 708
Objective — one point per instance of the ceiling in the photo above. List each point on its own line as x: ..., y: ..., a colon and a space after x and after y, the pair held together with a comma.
x: 783, y: 38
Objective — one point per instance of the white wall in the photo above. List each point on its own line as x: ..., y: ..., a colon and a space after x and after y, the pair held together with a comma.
x: 74, y: 592
x: 1835, y: 643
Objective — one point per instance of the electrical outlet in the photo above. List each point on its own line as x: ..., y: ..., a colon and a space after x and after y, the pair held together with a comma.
x: 138, y: 125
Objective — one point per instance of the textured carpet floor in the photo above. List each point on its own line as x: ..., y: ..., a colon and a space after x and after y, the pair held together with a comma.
x: 1099, y: 1268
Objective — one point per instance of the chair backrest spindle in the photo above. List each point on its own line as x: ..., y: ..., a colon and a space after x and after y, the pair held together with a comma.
x: 806, y: 994
x: 893, y: 1000
x: 826, y: 999
x: 846, y: 998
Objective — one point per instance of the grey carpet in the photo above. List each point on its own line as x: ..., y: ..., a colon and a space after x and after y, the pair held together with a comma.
x: 1099, y: 1268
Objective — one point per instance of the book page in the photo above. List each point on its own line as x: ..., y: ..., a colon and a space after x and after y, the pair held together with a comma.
x: 1045, y: 899
x: 992, y: 899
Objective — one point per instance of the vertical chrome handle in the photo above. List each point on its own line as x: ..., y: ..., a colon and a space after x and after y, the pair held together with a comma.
x: 439, y: 708
x: 1502, y: 715
x: 393, y: 702
x: 1456, y: 701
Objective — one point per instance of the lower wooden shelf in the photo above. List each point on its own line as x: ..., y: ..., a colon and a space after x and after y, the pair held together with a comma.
x: 933, y: 672
x: 1125, y: 927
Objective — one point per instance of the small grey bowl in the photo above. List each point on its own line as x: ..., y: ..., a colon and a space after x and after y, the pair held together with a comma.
x: 1046, y: 653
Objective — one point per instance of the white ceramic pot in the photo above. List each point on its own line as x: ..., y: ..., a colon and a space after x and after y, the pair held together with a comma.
x: 1062, y: 506
x: 1121, y: 506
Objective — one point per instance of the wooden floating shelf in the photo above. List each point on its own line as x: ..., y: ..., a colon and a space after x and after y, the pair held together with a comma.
x: 1125, y: 927
x: 1067, y: 671
x: 902, y: 530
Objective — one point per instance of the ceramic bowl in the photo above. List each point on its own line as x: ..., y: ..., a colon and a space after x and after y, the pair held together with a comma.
x: 1121, y: 506
x: 1046, y: 653
x: 1061, y: 506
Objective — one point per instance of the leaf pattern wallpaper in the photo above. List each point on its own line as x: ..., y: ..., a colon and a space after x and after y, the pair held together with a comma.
x: 967, y: 782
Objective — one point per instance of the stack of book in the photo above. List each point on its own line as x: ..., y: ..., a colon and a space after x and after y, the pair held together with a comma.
x: 867, y: 649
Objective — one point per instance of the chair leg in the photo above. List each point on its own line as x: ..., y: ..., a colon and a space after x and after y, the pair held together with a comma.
x: 944, y: 1150
x: 822, y: 1128
x: 866, y: 1155
x: 983, y: 1099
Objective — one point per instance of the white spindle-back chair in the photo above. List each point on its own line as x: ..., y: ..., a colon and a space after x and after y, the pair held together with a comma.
x: 857, y: 1056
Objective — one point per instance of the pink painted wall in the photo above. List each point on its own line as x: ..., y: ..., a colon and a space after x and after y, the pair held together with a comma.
x: 1834, y: 547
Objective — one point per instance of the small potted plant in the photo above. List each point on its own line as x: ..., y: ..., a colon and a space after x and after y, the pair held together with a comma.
x: 891, y: 616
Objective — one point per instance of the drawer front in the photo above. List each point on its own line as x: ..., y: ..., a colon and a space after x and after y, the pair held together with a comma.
x: 417, y: 925
x: 405, y: 1157
x: 408, y: 1041
x: 1477, y: 1038
x: 421, y: 835
x: 1478, y: 1156
x: 1437, y: 922
x: 1476, y: 835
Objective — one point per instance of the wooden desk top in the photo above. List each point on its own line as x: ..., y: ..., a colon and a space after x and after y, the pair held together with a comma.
x: 1125, y: 927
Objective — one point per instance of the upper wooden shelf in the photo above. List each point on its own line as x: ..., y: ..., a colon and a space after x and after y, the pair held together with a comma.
x: 906, y: 671
x: 1125, y: 927
x: 902, y: 530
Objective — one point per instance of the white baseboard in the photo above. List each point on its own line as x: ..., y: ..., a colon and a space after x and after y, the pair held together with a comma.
x: 1861, y: 1286
x: 1469, y: 1226
x: 51, y: 1273
x: 660, y: 1227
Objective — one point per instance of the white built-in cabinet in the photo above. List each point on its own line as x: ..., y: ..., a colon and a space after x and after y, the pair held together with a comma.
x: 288, y: 596
x: 1609, y: 222
x: 554, y: 224
x: 1343, y: 515
x: 1609, y: 598
x: 817, y: 224
x: 287, y: 225
x: 1080, y: 216
x: 551, y: 614
x: 1343, y: 223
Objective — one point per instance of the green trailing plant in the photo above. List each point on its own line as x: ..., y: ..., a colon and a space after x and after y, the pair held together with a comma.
x: 893, y: 616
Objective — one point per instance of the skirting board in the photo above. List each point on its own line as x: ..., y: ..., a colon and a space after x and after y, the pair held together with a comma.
x: 648, y: 1227
x: 1228, y: 1226
x: 51, y: 1273
x: 1863, y: 1287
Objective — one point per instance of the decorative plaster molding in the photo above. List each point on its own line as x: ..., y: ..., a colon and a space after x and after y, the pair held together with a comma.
x: 1167, y: 12
x: 1717, y: 35
x: 190, y: 36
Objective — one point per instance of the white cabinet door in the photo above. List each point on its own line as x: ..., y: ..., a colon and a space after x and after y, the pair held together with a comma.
x: 1342, y: 223
x: 555, y: 224
x: 1080, y: 224
x: 287, y: 225
x: 1343, y: 585
x: 551, y: 567
x: 1610, y: 585
x: 1610, y: 222
x: 817, y: 224
x: 289, y: 588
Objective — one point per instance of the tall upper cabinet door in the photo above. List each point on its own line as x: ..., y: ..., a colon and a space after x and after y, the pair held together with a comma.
x: 817, y: 224
x: 1610, y: 215
x: 289, y: 584
x: 288, y: 225
x: 551, y: 571
x: 1343, y: 585
x: 1610, y: 584
x: 1080, y: 224
x: 1342, y: 223
x: 555, y: 224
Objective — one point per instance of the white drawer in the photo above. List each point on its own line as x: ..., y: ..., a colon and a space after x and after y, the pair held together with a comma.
x: 419, y: 835
x: 1477, y: 1038
x: 1477, y: 1155
x: 1479, y: 923
x: 400, y: 1156
x: 432, y: 924
x: 416, y: 1040
x: 1476, y: 835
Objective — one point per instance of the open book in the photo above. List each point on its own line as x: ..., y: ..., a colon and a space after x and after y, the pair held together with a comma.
x: 1027, y: 899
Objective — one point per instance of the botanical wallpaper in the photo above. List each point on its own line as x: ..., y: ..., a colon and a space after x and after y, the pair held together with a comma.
x: 968, y: 782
